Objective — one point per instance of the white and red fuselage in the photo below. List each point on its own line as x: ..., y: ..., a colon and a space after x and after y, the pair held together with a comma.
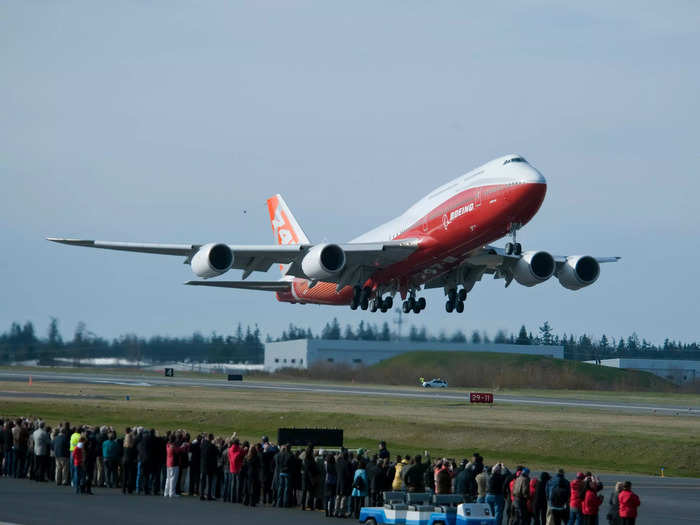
x: 457, y: 218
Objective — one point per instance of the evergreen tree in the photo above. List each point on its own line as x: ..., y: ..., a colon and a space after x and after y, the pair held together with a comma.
x: 501, y: 337
x: 522, y: 339
x: 546, y: 334
x: 386, y: 332
x: 54, y: 336
x: 349, y: 334
x: 604, y: 345
x: 476, y: 337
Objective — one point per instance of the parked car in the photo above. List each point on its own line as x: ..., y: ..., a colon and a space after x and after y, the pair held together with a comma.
x: 435, y: 383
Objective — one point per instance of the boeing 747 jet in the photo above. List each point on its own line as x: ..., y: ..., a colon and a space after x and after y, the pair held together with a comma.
x: 442, y: 241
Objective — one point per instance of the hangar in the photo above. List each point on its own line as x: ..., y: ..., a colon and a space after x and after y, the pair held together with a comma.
x: 677, y: 370
x: 302, y: 353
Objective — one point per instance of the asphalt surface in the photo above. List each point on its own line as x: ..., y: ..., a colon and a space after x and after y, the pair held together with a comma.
x: 132, y: 380
x: 23, y: 502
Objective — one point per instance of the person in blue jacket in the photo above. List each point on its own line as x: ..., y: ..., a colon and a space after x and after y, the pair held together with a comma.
x: 360, y: 488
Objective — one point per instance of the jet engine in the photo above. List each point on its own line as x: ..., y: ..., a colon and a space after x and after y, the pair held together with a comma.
x: 534, y: 268
x: 212, y: 260
x: 578, y: 271
x: 323, y: 261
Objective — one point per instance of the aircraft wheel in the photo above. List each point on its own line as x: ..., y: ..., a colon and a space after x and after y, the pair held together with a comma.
x: 364, y: 303
x: 374, y: 306
x: 462, y: 295
x: 406, y: 308
x: 416, y: 308
x: 517, y: 248
x: 383, y: 309
x: 509, y: 248
x: 452, y: 294
x: 389, y: 302
x: 449, y: 306
x: 459, y: 307
x: 354, y: 305
x: 421, y: 303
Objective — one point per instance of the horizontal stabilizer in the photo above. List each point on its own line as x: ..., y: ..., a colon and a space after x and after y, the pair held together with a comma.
x: 266, y: 286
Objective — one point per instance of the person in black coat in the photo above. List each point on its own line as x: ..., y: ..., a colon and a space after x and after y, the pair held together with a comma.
x: 207, y: 466
x: 539, y: 503
x: 344, y: 484
x: 375, y: 480
x: 145, y: 449
x: 269, y: 452
x: 195, y: 459
x: 311, y: 479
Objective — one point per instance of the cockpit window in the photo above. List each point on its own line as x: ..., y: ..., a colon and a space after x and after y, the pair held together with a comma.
x: 514, y: 159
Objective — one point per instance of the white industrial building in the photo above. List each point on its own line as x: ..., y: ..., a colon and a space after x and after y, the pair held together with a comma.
x: 301, y: 353
x: 676, y: 370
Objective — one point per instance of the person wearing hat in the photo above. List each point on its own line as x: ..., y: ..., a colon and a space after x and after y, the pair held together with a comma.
x: 576, y: 493
x: 629, y: 502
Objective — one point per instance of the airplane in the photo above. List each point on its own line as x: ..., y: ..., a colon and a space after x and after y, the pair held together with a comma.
x: 442, y: 241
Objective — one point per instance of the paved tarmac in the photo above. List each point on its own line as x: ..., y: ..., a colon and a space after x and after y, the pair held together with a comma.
x: 129, y: 379
x: 23, y: 502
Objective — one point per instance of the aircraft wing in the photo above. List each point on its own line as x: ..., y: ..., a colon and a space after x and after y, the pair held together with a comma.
x: 362, y: 259
x: 266, y: 286
x: 491, y: 260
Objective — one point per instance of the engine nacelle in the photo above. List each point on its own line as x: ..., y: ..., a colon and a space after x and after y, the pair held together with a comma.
x: 534, y: 268
x: 323, y: 261
x: 578, y: 271
x: 212, y: 260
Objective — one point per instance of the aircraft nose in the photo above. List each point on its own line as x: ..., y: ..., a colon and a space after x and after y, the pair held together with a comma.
x: 533, y: 176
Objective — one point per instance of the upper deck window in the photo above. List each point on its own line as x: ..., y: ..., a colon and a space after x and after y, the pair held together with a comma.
x: 514, y: 159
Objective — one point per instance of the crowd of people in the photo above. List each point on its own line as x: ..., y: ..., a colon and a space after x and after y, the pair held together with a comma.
x: 338, y: 482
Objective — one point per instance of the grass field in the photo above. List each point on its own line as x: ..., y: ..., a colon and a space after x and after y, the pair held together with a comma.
x: 541, y: 437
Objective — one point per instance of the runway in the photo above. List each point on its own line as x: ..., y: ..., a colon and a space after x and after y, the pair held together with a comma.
x: 23, y: 502
x: 95, y: 377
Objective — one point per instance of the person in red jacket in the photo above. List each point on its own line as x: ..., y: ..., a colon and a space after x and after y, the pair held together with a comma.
x: 629, y: 502
x: 576, y: 486
x: 235, y: 464
x: 590, y: 503
x: 172, y: 464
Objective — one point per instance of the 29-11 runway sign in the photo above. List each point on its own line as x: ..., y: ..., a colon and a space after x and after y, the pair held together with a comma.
x: 480, y: 397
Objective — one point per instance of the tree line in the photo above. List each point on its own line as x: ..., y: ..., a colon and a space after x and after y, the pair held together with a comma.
x: 245, y: 345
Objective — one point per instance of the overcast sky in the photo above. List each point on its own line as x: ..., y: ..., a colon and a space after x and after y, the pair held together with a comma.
x: 174, y: 121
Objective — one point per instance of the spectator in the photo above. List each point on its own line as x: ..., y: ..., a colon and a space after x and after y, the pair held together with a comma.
x: 521, y: 497
x: 311, y: 478
x: 283, y: 461
x: 359, y: 489
x: 613, y: 514
x: 61, y: 451
x: 344, y: 484
x: 590, y: 503
x: 172, y: 466
x: 539, y: 500
x: 383, y: 451
x: 79, y: 465
x: 494, y: 491
x: 195, y: 461
x: 629, y: 502
x: 42, y: 444
x: 235, y: 462
x: 558, y: 494
x: 129, y: 458
x: 443, y: 479
x: 398, y: 478
x: 482, y: 482
x: 576, y: 495
x: 207, y: 467
x: 253, y: 467
x: 110, y: 457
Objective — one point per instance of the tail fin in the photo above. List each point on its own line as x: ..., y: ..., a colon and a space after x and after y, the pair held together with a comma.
x: 285, y: 227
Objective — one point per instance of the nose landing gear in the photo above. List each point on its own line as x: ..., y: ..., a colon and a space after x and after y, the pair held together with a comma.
x: 514, y: 248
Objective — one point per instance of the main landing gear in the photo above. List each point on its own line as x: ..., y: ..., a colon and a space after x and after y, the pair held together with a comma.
x: 413, y: 304
x: 455, y: 300
x: 361, y: 299
x: 514, y: 248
